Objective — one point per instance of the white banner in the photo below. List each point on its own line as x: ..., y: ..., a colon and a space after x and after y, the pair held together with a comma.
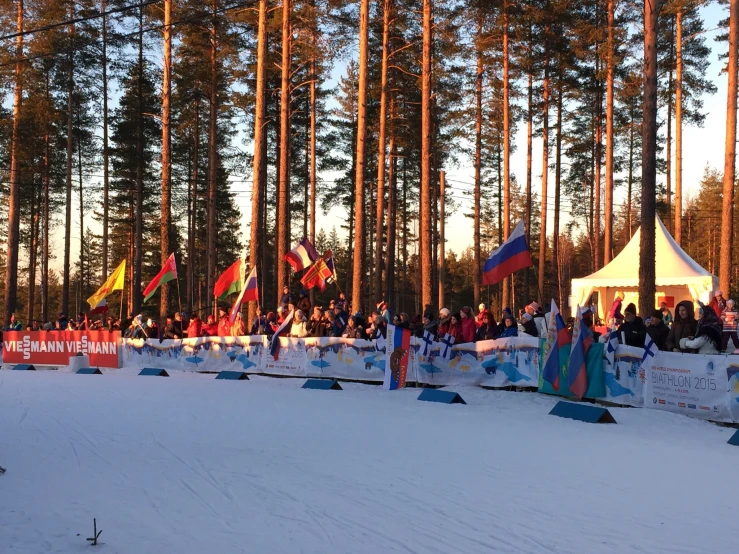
x: 344, y: 359
x: 625, y: 379
x: 491, y: 363
x: 689, y: 384
x: 291, y: 359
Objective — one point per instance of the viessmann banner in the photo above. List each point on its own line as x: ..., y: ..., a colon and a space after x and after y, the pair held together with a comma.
x: 55, y: 347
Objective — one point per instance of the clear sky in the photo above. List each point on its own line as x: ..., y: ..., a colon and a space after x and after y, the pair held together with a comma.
x: 702, y: 146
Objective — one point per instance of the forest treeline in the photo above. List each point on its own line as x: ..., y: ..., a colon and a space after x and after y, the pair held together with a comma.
x: 153, y: 120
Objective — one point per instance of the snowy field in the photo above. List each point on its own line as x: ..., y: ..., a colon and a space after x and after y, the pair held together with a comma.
x: 194, y: 465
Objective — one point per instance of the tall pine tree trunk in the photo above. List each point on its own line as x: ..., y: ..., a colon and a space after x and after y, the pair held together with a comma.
x: 70, y: 147
x: 283, y: 189
x: 166, y: 206
x: 598, y: 157
x: 379, y: 222
x: 529, y: 155
x: 668, y: 144
x: 544, y: 166
x: 212, y: 231
x: 678, y: 208
x: 727, y: 212
x: 649, y: 159
x: 478, y: 158
x: 139, y: 217
x: 106, y: 161
x: 557, y: 190
x: 82, y: 222
x: 11, y: 263
x: 391, y: 215
x: 32, y: 255
x: 45, y: 243
x: 357, y: 269
x: 193, y: 260
x: 508, y: 281
x: 608, y: 233
x: 256, y: 242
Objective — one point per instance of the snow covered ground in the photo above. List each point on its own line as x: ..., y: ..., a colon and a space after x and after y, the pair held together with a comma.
x: 194, y: 465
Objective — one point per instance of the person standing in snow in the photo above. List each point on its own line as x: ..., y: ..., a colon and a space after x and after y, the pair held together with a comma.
x: 510, y: 329
x: 286, y: 299
x: 468, y: 324
x: 683, y: 327
x: 707, y: 338
x: 481, y: 311
x: 632, y: 328
x: 534, y: 310
x: 729, y: 319
x: 445, y: 320
x: 666, y: 314
x: 488, y: 330
x: 658, y: 331
x: 224, y: 323
x: 195, y: 329
x: 615, y: 314
x: 718, y: 304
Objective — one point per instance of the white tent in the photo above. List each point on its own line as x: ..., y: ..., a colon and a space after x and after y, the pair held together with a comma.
x: 678, y: 276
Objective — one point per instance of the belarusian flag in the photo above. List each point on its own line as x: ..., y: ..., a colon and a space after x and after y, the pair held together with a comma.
x: 230, y: 280
x: 114, y: 282
x: 167, y: 273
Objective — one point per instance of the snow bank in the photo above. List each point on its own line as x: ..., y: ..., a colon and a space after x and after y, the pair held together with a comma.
x: 189, y: 464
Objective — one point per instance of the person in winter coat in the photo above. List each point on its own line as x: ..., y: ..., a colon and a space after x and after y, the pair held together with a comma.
x: 353, y: 330
x: 528, y: 325
x: 342, y: 302
x: 445, y: 319
x: 377, y: 328
x: 195, y: 329
x: 238, y: 327
x: 224, y: 323
x: 304, y: 303
x: 210, y: 329
x: 481, y: 311
x: 488, y: 330
x: 707, y: 338
x: 405, y: 321
x: 587, y: 319
x: 510, y: 329
x: 615, y: 314
x: 683, y: 326
x: 297, y: 329
x: 534, y: 310
x: 170, y: 329
x: 455, y: 328
x: 658, y: 331
x: 666, y: 314
x: 314, y: 326
x: 729, y: 318
x: 14, y: 325
x: 427, y: 325
x: 502, y: 324
x: 718, y: 304
x: 286, y: 299
x: 468, y: 324
x: 632, y: 328
x: 340, y: 322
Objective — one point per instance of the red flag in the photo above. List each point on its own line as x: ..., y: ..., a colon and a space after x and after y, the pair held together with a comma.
x: 316, y: 275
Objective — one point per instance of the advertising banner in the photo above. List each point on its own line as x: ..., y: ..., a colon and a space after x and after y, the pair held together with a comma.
x: 625, y: 379
x: 492, y: 363
x: 291, y: 359
x: 54, y: 348
x: 344, y: 359
x: 689, y: 384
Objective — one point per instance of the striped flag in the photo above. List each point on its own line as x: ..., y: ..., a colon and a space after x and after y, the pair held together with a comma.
x: 302, y: 255
x: 329, y: 258
x: 513, y: 255
x: 577, y: 374
x: 282, y: 330
x: 557, y: 340
x: 397, y: 356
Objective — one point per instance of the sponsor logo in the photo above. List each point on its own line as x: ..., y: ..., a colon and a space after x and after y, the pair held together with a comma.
x: 661, y: 401
x: 654, y: 400
x: 692, y: 406
x: 670, y: 403
x: 705, y: 408
x: 681, y: 404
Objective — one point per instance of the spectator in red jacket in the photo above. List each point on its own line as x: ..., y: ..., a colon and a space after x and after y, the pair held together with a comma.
x: 195, y: 329
x: 482, y: 311
x: 210, y: 329
x: 469, y: 327
x: 224, y: 324
x: 455, y: 328
x: 718, y: 304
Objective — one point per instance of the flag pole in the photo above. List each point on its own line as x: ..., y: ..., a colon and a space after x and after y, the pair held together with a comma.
x: 179, y: 300
x: 120, y: 316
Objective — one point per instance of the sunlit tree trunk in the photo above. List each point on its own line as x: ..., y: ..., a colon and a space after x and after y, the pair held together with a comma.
x: 257, y: 236
x: 507, y: 282
x: 358, y: 266
x: 283, y: 188
x: 166, y: 205
x: 106, y: 161
x: 727, y: 212
x: 212, y: 230
x: 608, y: 232
x: 70, y: 149
x: 649, y: 159
x: 425, y: 227
x: 478, y: 158
x: 678, y: 208
x: 11, y: 264
x: 544, y: 165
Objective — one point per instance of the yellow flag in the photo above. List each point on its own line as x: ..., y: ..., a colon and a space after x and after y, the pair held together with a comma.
x: 114, y: 282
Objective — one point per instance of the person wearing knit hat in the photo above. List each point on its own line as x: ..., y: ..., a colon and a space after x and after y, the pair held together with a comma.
x: 633, y: 328
x: 718, y: 303
x: 534, y: 310
x: 528, y: 326
x: 658, y: 331
x: 444, y: 322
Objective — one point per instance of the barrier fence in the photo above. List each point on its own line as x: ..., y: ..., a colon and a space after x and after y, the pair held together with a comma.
x: 697, y: 385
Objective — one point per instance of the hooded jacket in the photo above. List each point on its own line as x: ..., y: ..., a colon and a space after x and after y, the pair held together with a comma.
x: 681, y: 328
x: 468, y: 328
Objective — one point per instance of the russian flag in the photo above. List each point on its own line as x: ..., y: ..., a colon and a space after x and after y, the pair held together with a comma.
x: 101, y: 308
x: 397, y: 355
x: 302, y: 256
x: 513, y: 255
x: 249, y: 292
x: 282, y: 330
x: 557, y: 339
x: 577, y: 375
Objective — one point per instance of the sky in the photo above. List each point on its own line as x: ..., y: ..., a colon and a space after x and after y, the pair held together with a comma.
x: 702, y: 146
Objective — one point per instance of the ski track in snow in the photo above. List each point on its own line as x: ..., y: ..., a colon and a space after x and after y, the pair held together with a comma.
x: 192, y: 465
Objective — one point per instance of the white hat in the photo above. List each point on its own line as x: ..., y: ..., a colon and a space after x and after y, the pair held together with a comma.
x: 481, y: 307
x: 526, y: 317
x: 444, y: 312
x: 718, y: 293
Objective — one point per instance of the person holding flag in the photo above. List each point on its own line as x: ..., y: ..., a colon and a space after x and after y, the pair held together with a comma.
x: 577, y: 374
x: 555, y: 348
